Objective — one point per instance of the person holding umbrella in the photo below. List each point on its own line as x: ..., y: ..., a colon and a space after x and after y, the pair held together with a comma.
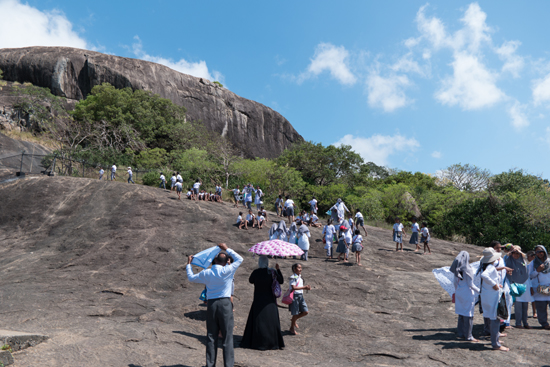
x: 263, y: 328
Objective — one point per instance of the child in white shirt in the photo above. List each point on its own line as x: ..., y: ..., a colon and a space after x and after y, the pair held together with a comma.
x: 250, y: 219
x: 101, y: 172
x: 414, y: 235
x: 329, y: 232
x: 426, y: 238
x: 314, y: 221
x: 398, y: 232
x: 360, y: 221
x: 240, y: 221
x: 260, y: 220
x: 173, y: 180
x: 189, y: 194
x: 357, y: 246
x: 179, y: 189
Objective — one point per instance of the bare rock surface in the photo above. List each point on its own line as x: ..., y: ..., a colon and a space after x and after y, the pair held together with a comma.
x: 10, y: 156
x: 99, y: 267
x: 254, y: 128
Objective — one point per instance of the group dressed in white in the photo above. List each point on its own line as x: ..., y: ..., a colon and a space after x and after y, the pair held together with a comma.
x: 513, y: 280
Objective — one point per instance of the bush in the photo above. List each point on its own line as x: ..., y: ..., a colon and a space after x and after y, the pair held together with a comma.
x: 151, y: 178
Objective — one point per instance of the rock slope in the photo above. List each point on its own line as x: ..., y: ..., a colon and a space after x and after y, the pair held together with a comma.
x: 254, y: 128
x: 100, y: 268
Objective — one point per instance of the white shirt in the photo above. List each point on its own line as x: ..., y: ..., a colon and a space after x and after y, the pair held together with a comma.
x: 258, y: 198
x: 162, y: 178
x: 178, y: 185
x: 357, y: 239
x: 236, y: 192
x: 314, y: 218
x: 178, y: 178
x: 306, y: 217
x: 101, y: 171
x: 289, y: 203
x: 398, y: 227
x: 239, y: 219
x: 329, y: 231
x: 249, y: 216
x: 189, y: 193
x: 218, y: 279
x: 113, y: 168
x: 130, y: 172
x: 359, y: 215
x: 261, y: 218
x: 173, y: 179
x: 313, y: 203
x: 415, y: 228
x: 298, y: 282
x: 425, y: 232
x: 196, y: 185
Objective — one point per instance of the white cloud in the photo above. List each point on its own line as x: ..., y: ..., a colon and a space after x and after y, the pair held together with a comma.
x: 330, y: 58
x: 407, y: 64
x: 387, y: 92
x: 198, y: 69
x: 22, y: 25
x: 518, y: 116
x: 541, y: 90
x: 436, y: 154
x: 378, y: 148
x: 472, y: 85
x: 513, y: 63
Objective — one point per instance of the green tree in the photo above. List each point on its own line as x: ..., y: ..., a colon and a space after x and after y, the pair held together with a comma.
x: 151, y: 158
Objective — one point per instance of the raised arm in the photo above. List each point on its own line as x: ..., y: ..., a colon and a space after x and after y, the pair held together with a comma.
x: 193, y: 278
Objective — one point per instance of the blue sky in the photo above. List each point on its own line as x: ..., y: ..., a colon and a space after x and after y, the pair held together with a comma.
x: 409, y: 84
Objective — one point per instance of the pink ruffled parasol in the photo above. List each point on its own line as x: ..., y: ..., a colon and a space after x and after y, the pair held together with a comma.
x: 276, y: 248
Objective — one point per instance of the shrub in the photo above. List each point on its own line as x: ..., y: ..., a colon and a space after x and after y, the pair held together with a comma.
x: 151, y: 178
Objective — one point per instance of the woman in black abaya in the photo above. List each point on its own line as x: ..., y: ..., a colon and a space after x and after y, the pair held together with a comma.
x: 263, y: 328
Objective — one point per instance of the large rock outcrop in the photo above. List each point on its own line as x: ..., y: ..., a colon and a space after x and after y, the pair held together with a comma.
x: 255, y: 129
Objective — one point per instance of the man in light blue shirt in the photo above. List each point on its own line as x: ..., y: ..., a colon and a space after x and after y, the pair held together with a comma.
x: 219, y: 314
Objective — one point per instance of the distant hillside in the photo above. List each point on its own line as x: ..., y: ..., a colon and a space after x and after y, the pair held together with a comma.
x: 255, y: 129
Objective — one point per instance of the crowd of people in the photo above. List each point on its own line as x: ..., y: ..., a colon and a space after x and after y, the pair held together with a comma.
x: 509, y: 278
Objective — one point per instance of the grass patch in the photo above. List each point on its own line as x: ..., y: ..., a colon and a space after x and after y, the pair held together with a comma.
x: 29, y: 137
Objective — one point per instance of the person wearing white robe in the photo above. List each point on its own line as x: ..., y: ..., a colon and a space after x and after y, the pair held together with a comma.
x: 465, y: 295
x: 303, y: 239
x: 281, y: 231
x: 491, y: 291
x: 340, y: 208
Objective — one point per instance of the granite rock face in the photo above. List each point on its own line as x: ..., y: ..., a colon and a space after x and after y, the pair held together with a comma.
x: 257, y: 130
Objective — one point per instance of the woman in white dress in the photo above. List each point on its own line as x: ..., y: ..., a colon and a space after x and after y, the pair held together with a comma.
x: 491, y: 291
x: 465, y: 295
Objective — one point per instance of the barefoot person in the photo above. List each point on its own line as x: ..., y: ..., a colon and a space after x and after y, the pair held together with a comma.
x: 425, y: 239
x: 491, y: 291
x: 219, y: 313
x: 298, y: 307
x: 357, y: 246
x: 414, y: 235
x: 398, y: 232
x: 465, y: 295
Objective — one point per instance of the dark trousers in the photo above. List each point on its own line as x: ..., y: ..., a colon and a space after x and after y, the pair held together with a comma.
x: 464, y: 327
x: 542, y: 312
x: 163, y: 185
x: 219, y: 316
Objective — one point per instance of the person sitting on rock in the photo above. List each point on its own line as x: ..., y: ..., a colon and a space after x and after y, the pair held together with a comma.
x: 260, y: 220
x: 240, y: 222
x: 189, y: 194
x: 250, y: 219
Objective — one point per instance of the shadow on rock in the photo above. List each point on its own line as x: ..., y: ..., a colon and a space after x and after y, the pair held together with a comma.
x: 196, y: 315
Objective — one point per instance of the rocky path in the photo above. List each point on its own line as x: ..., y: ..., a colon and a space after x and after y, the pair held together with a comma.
x: 99, y: 267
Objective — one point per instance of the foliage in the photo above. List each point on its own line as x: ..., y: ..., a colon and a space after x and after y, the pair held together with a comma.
x: 466, y: 177
x: 1, y: 74
x: 218, y: 83
x: 39, y: 104
x: 139, y: 111
x: 151, y: 178
x: 515, y: 181
x: 151, y: 158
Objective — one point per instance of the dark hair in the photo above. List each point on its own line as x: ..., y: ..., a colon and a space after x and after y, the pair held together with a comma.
x: 262, y: 207
x: 357, y: 231
x: 424, y: 224
x: 240, y: 213
x: 178, y: 173
x: 197, y: 180
x: 288, y: 197
x: 313, y: 196
x: 414, y: 218
x: 494, y: 243
x: 281, y: 196
x: 397, y: 218
x: 221, y: 259
x: 530, y: 253
x: 357, y: 210
x: 329, y: 221
x: 295, y: 266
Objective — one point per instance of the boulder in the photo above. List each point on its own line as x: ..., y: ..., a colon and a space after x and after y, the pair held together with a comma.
x: 257, y: 130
